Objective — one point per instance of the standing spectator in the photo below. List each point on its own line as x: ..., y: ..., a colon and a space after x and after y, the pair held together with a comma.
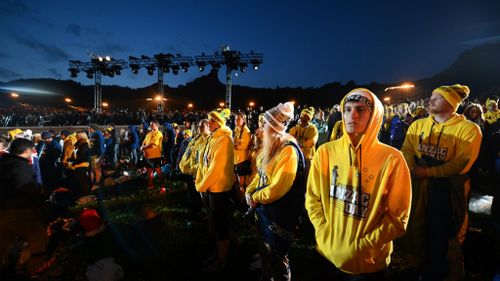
x: 151, y: 147
x: 398, y: 127
x: 440, y: 150
x: 256, y: 146
x: 358, y: 194
x: 169, y: 142
x: 189, y: 166
x: 277, y: 192
x: 335, y: 116
x: 80, y: 164
x: 133, y: 140
x: 306, y: 135
x: 188, y: 136
x: 49, y: 162
x: 493, y: 113
x: 19, y: 188
x: 115, y: 134
x: 215, y: 178
x: 242, y: 164
x: 69, y: 141
x: 96, y: 153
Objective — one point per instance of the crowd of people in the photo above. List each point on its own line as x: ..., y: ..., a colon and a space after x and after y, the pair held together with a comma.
x: 363, y: 174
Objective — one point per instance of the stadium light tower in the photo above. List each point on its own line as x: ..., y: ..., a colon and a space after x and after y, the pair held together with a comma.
x: 233, y: 60
x: 95, y: 68
x: 163, y: 63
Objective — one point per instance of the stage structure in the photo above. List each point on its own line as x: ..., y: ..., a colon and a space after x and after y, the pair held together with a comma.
x: 233, y: 60
x: 162, y: 63
x: 95, y: 68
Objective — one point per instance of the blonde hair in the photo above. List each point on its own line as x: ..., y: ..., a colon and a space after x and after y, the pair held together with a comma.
x: 82, y: 135
x: 272, y: 144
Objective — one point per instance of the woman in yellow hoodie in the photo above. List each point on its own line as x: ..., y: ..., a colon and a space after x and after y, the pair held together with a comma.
x: 215, y: 178
x: 358, y: 193
x: 242, y: 163
x: 189, y: 166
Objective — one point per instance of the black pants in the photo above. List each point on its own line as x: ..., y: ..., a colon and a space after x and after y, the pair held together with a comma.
x: 217, y: 205
x: 83, y: 181
x: 328, y: 271
x: 194, y: 198
x: 438, y: 230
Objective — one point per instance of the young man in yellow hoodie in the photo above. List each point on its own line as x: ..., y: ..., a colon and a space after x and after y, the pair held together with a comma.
x: 277, y: 192
x: 215, y: 178
x: 358, y: 194
x: 306, y: 135
x: 440, y: 150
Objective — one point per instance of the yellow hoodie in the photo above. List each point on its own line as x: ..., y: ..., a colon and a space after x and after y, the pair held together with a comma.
x: 216, y: 170
x: 456, y: 143
x: 13, y: 133
x: 278, y: 176
x: 189, y: 162
x: 241, y: 143
x: 353, y: 229
x: 306, y: 138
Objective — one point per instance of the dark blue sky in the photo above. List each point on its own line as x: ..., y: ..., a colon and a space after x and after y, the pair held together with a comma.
x: 305, y: 43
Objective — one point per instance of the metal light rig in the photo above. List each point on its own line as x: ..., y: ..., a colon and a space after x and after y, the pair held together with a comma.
x: 233, y: 60
x: 164, y: 63
x: 95, y: 68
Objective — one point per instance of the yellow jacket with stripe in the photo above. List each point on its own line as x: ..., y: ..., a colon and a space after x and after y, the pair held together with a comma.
x: 215, y: 172
x: 278, y: 176
x: 358, y: 199
x: 189, y: 162
x: 306, y: 137
x: 241, y: 142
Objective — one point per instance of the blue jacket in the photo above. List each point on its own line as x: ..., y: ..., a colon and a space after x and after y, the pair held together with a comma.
x: 397, y: 132
x: 50, y: 154
x: 182, y: 149
x: 97, y: 140
x: 170, y: 134
x: 133, y: 137
x: 36, y: 170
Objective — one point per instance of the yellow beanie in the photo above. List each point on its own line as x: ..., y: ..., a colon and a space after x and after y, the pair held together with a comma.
x: 220, y: 115
x: 489, y: 102
x: 188, y: 132
x: 454, y: 94
x: 309, y: 112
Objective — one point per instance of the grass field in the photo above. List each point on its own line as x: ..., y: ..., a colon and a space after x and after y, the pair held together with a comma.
x: 146, y: 235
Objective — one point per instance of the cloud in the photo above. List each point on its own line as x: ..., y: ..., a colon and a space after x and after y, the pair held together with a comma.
x: 482, y: 40
x: 112, y: 48
x: 9, y: 74
x: 54, y: 72
x: 51, y: 52
x: 74, y: 29
x: 15, y: 8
